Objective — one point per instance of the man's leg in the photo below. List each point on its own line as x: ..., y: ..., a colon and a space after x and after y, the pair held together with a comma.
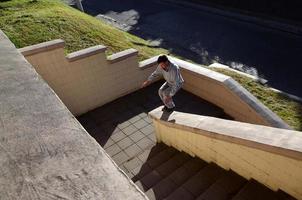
x: 167, y: 92
x: 161, y: 92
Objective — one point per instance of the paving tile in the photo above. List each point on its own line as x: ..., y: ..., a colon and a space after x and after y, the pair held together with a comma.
x: 118, y: 136
x: 150, y: 153
x: 126, y: 171
x: 123, y: 125
x: 132, y: 164
x: 145, y: 143
x: 124, y: 143
x: 136, y: 136
x: 120, y: 158
x: 134, y: 119
x: 129, y: 130
x: 108, y: 143
x: 113, y: 150
x: 140, y: 124
x: 148, y: 120
x: 147, y: 129
x: 133, y: 150
x: 143, y: 115
x: 152, y: 137
x: 115, y: 130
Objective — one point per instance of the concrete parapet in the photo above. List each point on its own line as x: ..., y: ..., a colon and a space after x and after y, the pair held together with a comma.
x: 224, y: 92
x: 269, y: 155
x: 86, y: 79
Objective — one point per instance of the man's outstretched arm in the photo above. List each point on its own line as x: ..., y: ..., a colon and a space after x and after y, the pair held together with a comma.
x: 157, y: 73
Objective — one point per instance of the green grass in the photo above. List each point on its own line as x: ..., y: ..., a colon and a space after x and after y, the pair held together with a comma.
x: 28, y: 22
x: 289, y: 110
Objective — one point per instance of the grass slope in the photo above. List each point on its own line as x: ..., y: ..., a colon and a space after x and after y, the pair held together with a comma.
x: 28, y: 22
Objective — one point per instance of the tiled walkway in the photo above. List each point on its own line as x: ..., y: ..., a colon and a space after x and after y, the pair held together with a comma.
x: 123, y: 128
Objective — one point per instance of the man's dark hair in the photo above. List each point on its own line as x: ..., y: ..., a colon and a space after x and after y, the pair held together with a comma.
x: 162, y: 58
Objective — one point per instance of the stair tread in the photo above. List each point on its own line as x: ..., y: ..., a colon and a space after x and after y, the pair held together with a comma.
x: 188, y: 169
x: 172, y: 164
x: 180, y: 194
x: 224, y: 188
x: 148, y: 155
x: 203, y: 179
x: 161, y: 190
x: 254, y: 190
x: 163, y: 170
x: 284, y: 196
x: 149, y: 180
x: 161, y: 157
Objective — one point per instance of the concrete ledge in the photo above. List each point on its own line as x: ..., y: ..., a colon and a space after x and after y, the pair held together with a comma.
x: 279, y: 141
x: 200, y: 70
x: 273, y: 119
x: 148, y: 63
x: 122, y: 55
x: 42, y: 47
x: 230, y: 84
x: 269, y: 155
x: 45, y: 152
x: 86, y: 53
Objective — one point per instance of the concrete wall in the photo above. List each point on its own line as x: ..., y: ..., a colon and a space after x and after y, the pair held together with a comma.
x: 44, y: 152
x: 224, y: 92
x: 269, y: 155
x: 86, y: 79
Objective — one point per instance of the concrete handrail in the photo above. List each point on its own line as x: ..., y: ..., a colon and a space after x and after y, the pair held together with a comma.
x: 272, y: 156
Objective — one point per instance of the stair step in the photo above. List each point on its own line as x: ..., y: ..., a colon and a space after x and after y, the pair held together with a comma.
x: 161, y: 189
x: 147, y: 155
x: 161, y: 157
x: 224, y: 188
x: 254, y: 190
x: 173, y: 163
x: 188, y: 169
x: 163, y: 170
x: 284, y: 196
x: 198, y: 183
x: 180, y: 194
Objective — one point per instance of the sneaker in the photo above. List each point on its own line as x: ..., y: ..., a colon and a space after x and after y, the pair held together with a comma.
x: 166, y: 109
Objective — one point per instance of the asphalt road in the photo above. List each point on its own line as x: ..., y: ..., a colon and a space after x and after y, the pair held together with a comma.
x: 205, y: 38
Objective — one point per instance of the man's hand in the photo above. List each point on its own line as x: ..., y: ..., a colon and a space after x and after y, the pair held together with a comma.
x: 145, y: 84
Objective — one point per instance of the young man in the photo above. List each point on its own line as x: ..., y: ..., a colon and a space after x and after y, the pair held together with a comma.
x: 174, y: 81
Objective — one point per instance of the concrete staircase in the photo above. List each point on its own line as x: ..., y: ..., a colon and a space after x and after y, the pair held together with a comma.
x: 166, y: 173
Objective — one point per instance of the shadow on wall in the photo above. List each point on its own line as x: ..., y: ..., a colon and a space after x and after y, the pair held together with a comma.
x: 206, y: 38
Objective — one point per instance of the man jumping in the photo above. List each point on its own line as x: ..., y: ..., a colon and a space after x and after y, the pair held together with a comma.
x: 174, y: 81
